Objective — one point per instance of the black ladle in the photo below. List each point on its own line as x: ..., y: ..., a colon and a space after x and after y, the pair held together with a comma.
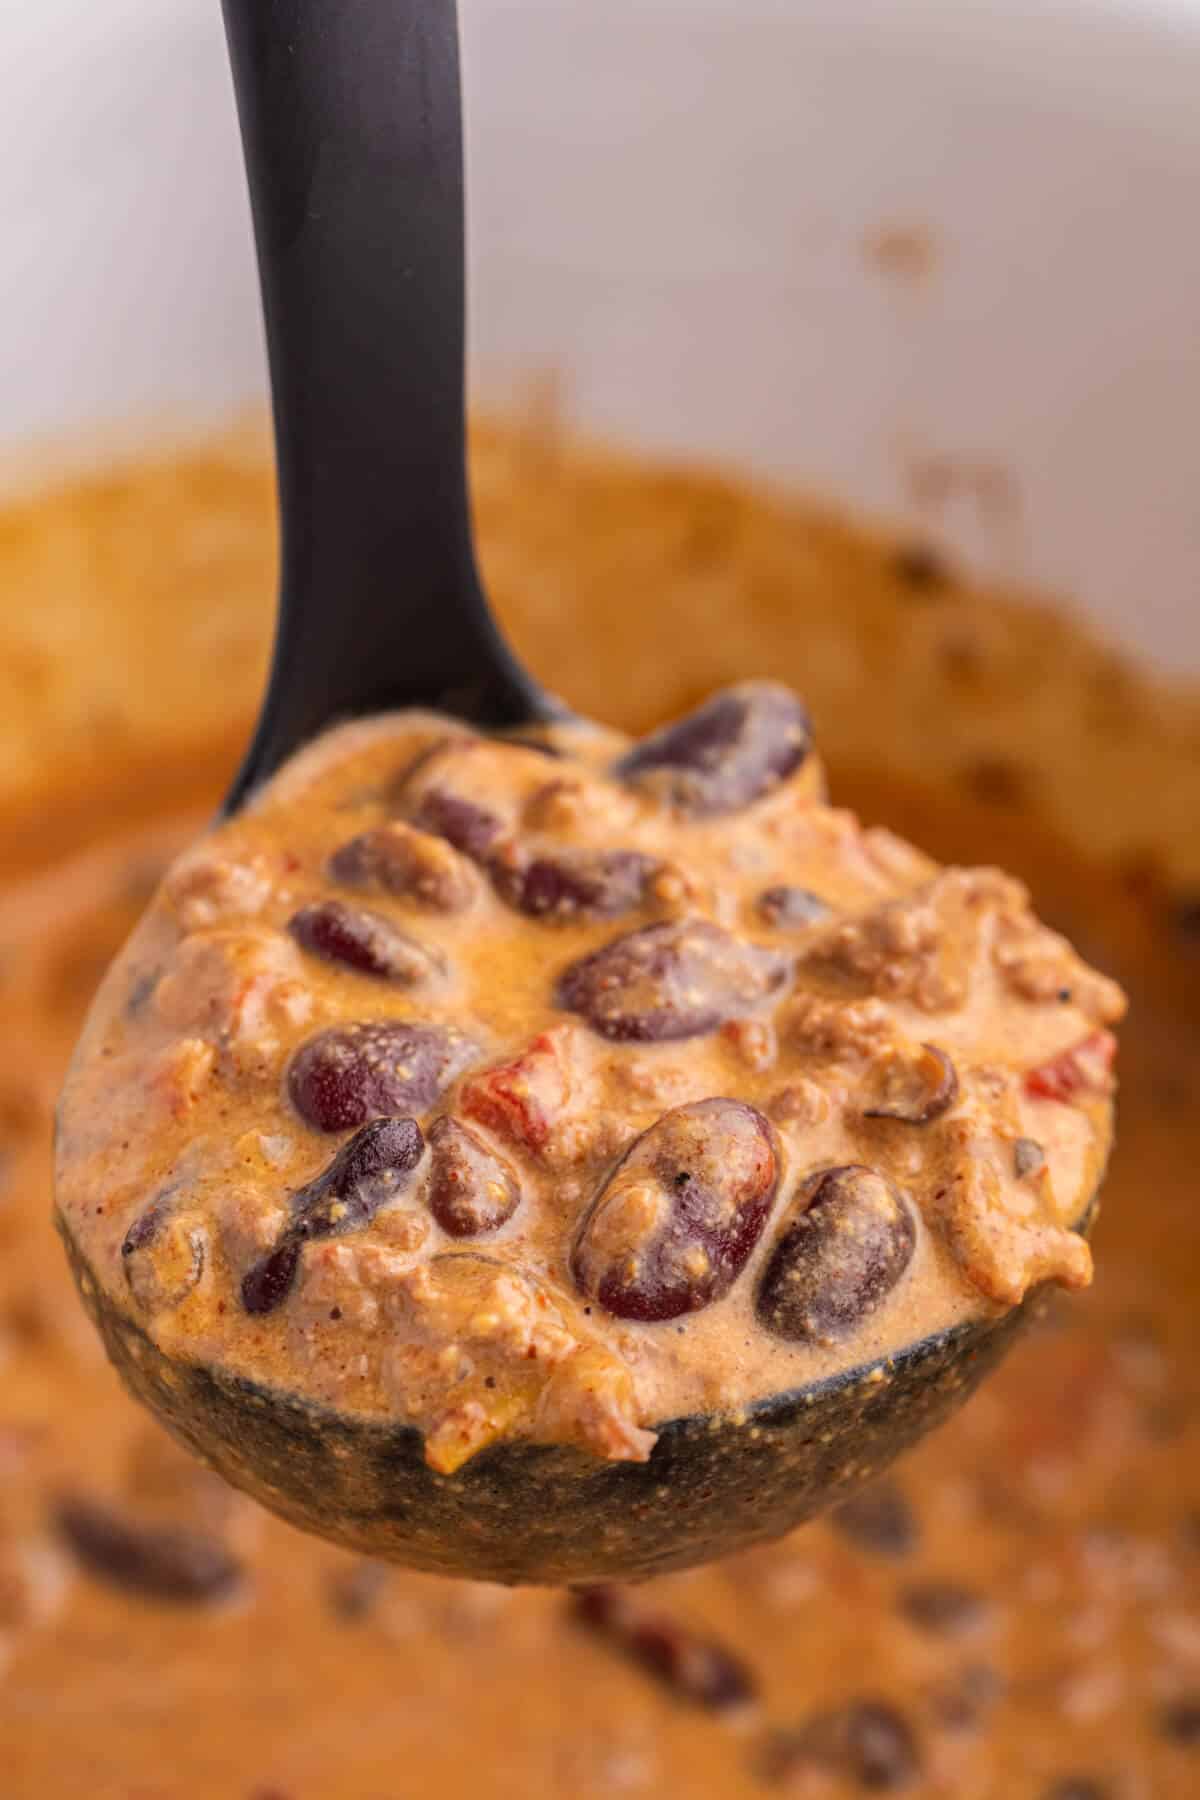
x: 351, y: 124
x: 350, y: 118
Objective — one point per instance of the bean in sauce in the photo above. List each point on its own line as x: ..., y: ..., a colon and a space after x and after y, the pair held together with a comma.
x: 1008, y: 1495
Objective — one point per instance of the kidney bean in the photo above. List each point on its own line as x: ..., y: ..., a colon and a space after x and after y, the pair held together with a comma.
x: 562, y: 885
x: 694, y: 1668
x: 1084, y: 1068
x: 1183, y: 914
x: 866, y: 1741
x: 921, y: 568
x: 998, y: 781
x: 365, y: 1174
x: 470, y: 828
x: 1077, y: 1787
x: 351, y: 1073
x: 673, y: 1226
x: 916, y: 1089
x: 942, y: 1608
x: 678, y: 979
x: 160, y: 1562
x: 471, y: 1191
x: 878, y: 1519
x: 472, y: 790
x: 416, y: 865
x: 1179, y: 1721
x: 842, y: 1253
x: 163, y: 1254
x: 364, y: 941
x: 269, y: 1281
x: 961, y: 1701
x: 353, y: 1593
x: 725, y: 755
x: 784, y: 906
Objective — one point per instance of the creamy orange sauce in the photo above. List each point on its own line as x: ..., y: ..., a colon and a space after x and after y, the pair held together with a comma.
x: 646, y: 1140
x: 1064, y: 1499
x: 1063, y: 1504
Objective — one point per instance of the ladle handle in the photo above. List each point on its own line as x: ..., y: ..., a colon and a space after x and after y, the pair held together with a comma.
x: 350, y: 114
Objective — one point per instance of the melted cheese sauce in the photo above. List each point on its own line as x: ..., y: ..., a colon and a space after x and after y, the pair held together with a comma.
x: 1024, y: 1606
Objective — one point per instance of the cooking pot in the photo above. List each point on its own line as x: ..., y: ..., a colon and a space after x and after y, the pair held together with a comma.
x: 935, y: 259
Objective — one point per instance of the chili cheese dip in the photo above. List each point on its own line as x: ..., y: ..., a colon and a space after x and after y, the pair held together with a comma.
x: 1015, y: 1615
x: 561, y: 1086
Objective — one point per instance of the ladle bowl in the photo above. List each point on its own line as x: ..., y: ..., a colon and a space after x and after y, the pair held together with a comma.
x: 542, y: 1514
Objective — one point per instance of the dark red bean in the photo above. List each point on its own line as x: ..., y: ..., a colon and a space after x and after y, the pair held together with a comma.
x: 269, y: 1282
x: 562, y: 885
x: 149, y: 1222
x: 678, y: 979
x: 364, y: 941
x: 354, y: 1592
x: 792, y: 906
x: 998, y: 780
x: 942, y: 1608
x: 1184, y: 917
x: 412, y: 864
x: 916, y: 1090
x: 696, y: 1669
x: 160, y: 1562
x: 961, y: 1701
x: 364, y: 1175
x: 352, y: 1073
x: 878, y: 1519
x: 163, y: 1254
x: 921, y: 568
x: 470, y: 828
x: 843, y: 1251
x: 866, y: 1741
x: 471, y: 1191
x: 673, y: 1226
x: 1179, y: 1722
x: 726, y: 754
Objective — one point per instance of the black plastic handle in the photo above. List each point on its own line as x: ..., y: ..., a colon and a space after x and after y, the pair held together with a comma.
x: 350, y: 114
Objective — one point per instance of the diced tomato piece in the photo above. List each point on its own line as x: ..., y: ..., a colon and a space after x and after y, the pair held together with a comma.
x: 1085, y: 1068
x: 522, y: 1100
